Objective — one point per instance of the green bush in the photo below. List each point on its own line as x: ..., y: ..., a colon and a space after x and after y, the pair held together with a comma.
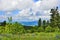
x: 56, y: 29
x: 40, y: 29
x: 48, y: 29
x: 14, y: 28
x: 1, y: 29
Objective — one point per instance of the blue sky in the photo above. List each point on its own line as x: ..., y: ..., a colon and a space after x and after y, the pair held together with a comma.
x: 27, y: 12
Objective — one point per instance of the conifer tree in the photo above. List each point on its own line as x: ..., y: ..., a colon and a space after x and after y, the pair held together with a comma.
x: 47, y: 23
x: 44, y: 24
x: 54, y: 17
x: 39, y: 22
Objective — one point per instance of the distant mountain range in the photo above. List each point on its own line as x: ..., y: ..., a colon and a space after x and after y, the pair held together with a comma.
x: 33, y: 23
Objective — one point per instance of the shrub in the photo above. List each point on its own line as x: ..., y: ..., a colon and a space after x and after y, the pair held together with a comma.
x: 40, y: 29
x: 56, y: 29
x: 48, y: 29
x: 1, y: 29
x: 14, y: 28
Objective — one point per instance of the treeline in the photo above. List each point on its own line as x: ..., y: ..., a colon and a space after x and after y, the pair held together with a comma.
x: 52, y: 25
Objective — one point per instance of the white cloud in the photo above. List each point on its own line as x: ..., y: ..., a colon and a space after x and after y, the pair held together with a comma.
x: 47, y: 12
x: 24, y: 12
x: 8, y: 5
x: 26, y: 15
x: 48, y: 4
x: 25, y: 4
x: 43, y: 6
x: 30, y: 18
x: 2, y: 17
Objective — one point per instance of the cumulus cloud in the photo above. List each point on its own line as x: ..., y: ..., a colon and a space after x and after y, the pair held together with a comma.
x: 26, y: 15
x: 48, y: 4
x: 21, y: 4
x: 8, y: 5
x: 24, y: 12
x: 2, y: 17
x: 43, y: 7
x: 30, y: 18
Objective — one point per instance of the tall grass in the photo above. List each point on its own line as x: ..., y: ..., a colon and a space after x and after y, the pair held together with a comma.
x: 33, y: 36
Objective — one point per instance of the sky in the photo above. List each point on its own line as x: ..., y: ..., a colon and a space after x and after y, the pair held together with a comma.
x: 27, y: 12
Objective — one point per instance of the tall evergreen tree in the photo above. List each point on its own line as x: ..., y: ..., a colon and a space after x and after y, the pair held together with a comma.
x: 47, y: 23
x: 4, y: 23
x: 39, y: 22
x: 58, y: 17
x: 54, y: 17
x: 44, y: 24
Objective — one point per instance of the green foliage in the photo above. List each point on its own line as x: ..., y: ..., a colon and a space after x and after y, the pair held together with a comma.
x: 32, y: 36
x: 55, y: 17
x: 35, y: 29
x: 48, y: 29
x: 1, y: 29
x: 41, y: 29
x: 15, y: 28
x: 29, y: 31
x: 56, y: 29
x: 44, y: 24
x: 47, y: 23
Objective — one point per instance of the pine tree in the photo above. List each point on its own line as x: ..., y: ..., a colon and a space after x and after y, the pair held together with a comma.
x: 4, y: 23
x: 44, y: 24
x: 59, y: 22
x: 39, y: 22
x: 48, y: 23
x: 54, y: 17
x: 58, y: 18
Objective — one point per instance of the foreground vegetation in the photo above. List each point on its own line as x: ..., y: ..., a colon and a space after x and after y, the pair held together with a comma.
x: 33, y: 36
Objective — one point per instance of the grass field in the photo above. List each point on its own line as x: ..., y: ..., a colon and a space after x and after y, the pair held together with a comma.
x: 33, y: 36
